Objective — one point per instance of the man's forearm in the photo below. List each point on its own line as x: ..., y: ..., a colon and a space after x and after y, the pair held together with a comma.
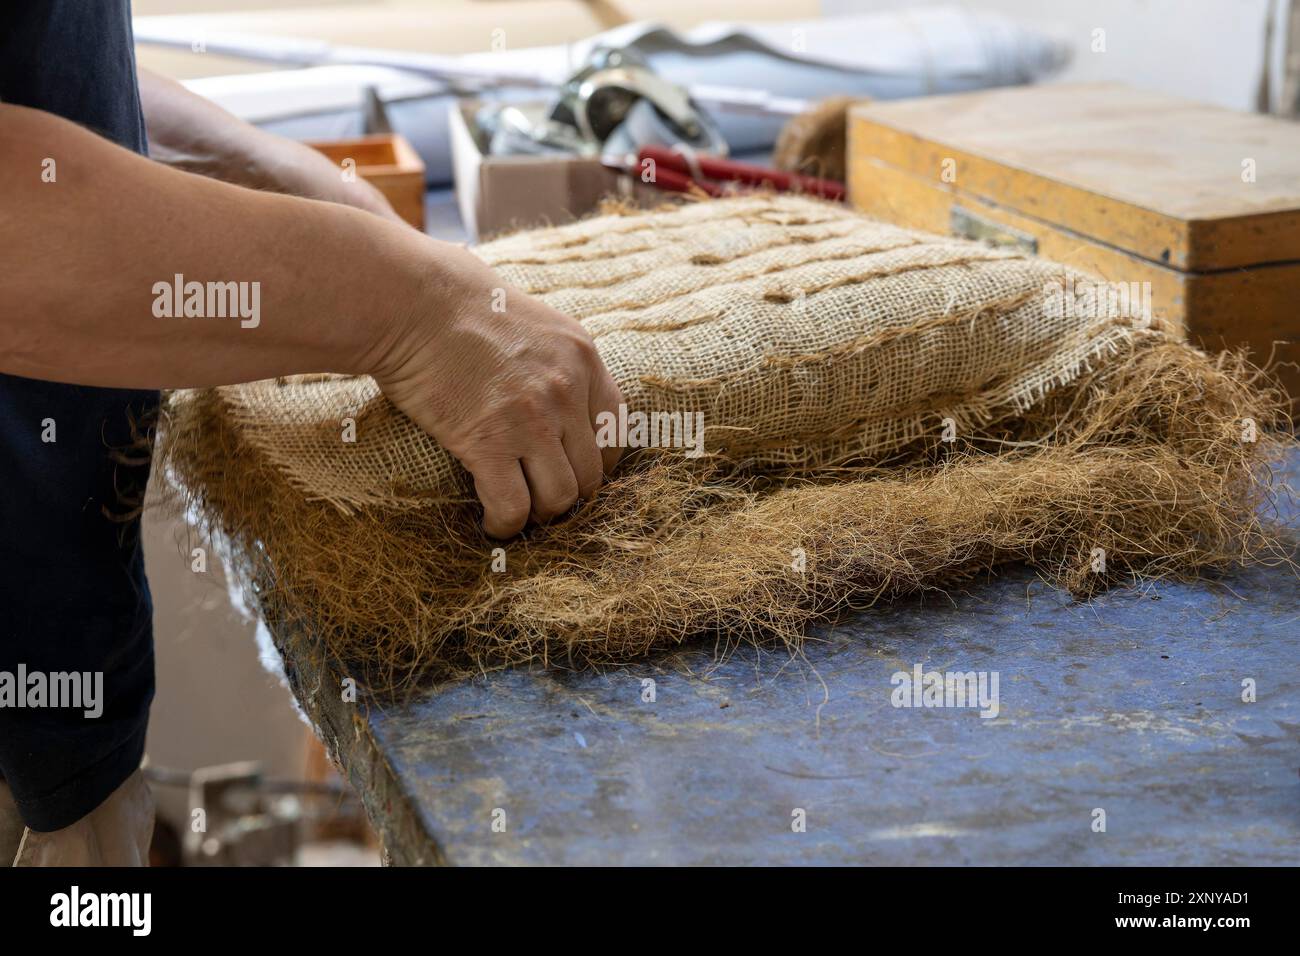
x: 191, y: 133
x: 87, y: 244
x: 109, y: 263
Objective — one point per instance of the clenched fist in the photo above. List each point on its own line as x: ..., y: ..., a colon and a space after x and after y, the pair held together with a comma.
x: 509, y: 386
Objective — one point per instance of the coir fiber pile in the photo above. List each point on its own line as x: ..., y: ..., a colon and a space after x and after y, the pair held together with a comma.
x: 885, y: 411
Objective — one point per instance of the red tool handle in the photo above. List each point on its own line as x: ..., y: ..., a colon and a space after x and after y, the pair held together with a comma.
x: 667, y: 159
x: 676, y: 182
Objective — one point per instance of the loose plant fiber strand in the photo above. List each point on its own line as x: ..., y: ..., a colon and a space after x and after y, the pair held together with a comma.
x: 1140, y: 451
x: 1160, y: 480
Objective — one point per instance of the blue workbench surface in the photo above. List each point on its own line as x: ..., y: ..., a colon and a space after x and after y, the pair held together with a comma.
x: 1131, y: 704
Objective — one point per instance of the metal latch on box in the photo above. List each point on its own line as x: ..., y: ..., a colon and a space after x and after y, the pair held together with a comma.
x: 968, y: 225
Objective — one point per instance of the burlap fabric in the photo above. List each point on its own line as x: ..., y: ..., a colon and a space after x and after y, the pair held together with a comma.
x: 806, y: 334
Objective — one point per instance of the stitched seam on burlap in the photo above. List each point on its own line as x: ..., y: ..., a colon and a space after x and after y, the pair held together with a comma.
x: 774, y: 296
x: 656, y: 325
x: 858, y: 251
x: 652, y: 326
x: 693, y: 217
x: 809, y: 234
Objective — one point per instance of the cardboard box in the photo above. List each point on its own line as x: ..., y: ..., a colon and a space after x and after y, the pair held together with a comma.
x: 389, y: 163
x: 500, y: 194
x: 1201, y: 202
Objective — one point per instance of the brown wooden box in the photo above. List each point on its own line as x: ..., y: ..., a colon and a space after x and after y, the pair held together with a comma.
x: 389, y: 163
x: 1202, y: 202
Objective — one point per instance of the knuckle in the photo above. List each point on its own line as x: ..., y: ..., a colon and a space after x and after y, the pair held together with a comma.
x: 590, y: 470
x: 585, y: 346
x: 560, y: 384
x: 508, y: 519
x: 528, y: 405
x: 483, y: 453
x: 558, y: 501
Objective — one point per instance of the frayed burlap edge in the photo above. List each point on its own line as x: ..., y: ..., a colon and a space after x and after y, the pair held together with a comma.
x: 1157, y: 459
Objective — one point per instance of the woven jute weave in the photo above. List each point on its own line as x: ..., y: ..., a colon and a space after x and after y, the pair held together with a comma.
x: 899, y: 411
x: 806, y: 336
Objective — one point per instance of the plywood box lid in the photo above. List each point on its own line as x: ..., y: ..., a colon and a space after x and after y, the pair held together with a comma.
x: 1194, y: 186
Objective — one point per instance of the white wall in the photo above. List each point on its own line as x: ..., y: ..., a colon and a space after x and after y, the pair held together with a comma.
x: 1211, y: 50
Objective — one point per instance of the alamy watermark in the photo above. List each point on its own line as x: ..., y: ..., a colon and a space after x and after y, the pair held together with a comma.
x: 651, y: 430
x: 922, y: 688
x: 75, y: 908
x: 1098, y: 299
x: 179, y: 299
x: 75, y: 690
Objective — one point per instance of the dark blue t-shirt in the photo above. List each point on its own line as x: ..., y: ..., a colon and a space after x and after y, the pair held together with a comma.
x: 72, y: 467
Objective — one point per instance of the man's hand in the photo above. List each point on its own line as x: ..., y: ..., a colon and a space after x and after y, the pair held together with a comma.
x: 512, y: 394
x: 509, y: 386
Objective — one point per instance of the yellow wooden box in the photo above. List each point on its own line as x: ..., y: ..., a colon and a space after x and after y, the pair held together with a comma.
x: 1201, y: 202
x: 389, y: 163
